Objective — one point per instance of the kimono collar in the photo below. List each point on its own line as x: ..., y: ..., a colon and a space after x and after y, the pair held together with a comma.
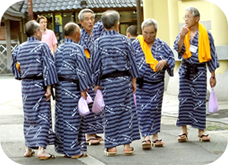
x: 69, y: 40
x: 32, y: 39
x: 111, y: 32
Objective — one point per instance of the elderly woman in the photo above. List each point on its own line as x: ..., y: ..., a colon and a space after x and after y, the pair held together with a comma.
x: 153, y: 57
x: 195, y: 45
x: 115, y: 73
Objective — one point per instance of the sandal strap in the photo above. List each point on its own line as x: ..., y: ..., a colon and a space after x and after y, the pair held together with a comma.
x: 157, y: 140
x: 203, y: 135
x: 183, y: 134
x: 144, y: 141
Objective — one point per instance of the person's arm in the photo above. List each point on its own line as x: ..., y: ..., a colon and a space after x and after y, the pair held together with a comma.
x: 48, y: 93
x: 184, y: 31
x: 133, y: 83
x: 213, y: 79
x: 54, y: 48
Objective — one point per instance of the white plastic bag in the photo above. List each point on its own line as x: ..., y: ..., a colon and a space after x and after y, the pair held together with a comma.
x: 89, y: 99
x: 83, y: 108
x: 213, y: 103
x: 98, y: 104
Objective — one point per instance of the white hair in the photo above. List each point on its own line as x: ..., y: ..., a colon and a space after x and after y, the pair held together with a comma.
x: 150, y: 21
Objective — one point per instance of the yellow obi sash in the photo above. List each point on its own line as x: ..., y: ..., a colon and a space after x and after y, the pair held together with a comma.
x: 147, y: 52
x: 204, y: 52
x: 87, y: 53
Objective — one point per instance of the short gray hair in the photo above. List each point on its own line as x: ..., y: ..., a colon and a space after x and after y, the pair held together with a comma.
x: 80, y: 15
x: 150, y: 21
x: 193, y: 10
x: 31, y: 27
x: 109, y: 18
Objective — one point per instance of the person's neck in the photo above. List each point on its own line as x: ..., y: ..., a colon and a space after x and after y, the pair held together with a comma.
x: 69, y: 37
x: 89, y: 32
x: 194, y: 28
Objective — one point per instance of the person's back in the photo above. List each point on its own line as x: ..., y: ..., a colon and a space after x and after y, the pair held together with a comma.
x: 30, y: 55
x: 66, y: 58
x: 114, y: 55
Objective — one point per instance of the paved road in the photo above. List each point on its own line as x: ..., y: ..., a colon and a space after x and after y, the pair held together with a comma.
x: 191, y: 153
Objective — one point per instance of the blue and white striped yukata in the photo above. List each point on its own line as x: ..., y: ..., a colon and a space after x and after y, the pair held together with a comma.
x: 71, y: 63
x: 149, y: 97
x: 192, y: 91
x: 113, y: 52
x: 36, y: 61
x: 93, y: 122
x: 98, y: 30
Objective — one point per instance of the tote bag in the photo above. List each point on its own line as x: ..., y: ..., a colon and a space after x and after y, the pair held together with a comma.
x: 98, y: 104
x: 213, y: 103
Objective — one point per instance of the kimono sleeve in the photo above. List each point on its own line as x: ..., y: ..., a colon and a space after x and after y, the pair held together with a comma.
x: 13, y: 67
x: 213, y: 63
x: 132, y: 60
x: 83, y: 70
x: 49, y: 70
x: 175, y: 46
x: 96, y: 63
x: 169, y: 57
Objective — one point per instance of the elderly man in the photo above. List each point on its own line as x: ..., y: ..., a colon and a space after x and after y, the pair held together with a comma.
x: 153, y: 57
x: 74, y: 77
x: 115, y: 73
x: 195, y: 46
x: 48, y: 35
x: 33, y: 63
x: 93, y: 122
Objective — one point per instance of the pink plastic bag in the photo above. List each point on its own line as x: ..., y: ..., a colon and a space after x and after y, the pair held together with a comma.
x: 83, y: 108
x: 213, y: 103
x: 98, y: 104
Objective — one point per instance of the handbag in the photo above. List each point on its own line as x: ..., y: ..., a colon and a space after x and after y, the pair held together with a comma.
x: 213, y: 103
x: 83, y: 108
x: 98, y: 104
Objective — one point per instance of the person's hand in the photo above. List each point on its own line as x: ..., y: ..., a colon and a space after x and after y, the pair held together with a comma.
x: 84, y: 94
x: 160, y: 65
x: 48, y: 93
x: 184, y: 30
x: 97, y: 87
x: 133, y: 84
x: 212, y: 82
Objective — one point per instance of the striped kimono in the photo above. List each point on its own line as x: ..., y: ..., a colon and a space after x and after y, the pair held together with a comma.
x: 113, y: 52
x: 149, y: 97
x: 71, y: 63
x: 37, y: 70
x: 98, y: 30
x: 93, y: 122
x: 193, y: 90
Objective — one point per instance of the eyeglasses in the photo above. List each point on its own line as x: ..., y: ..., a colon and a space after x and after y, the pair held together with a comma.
x: 148, y: 33
x: 187, y: 17
x: 87, y: 18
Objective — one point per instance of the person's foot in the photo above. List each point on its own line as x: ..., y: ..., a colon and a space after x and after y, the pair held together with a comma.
x: 157, y: 143
x: 182, y: 137
x: 203, y: 137
x: 92, y: 140
x: 29, y: 153
x: 45, y: 156
x: 110, y: 151
x: 128, y: 150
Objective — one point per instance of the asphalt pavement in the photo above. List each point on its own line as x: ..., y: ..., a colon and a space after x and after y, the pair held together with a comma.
x: 192, y: 152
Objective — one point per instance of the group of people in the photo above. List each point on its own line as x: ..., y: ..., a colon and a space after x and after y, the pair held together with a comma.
x: 96, y: 57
